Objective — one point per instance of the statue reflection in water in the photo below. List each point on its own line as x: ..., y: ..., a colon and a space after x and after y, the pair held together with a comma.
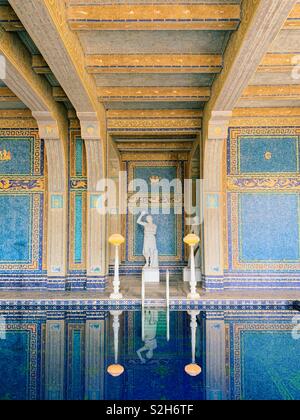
x: 150, y: 331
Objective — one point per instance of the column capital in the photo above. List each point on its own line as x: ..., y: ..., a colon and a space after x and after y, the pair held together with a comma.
x: 48, y: 126
x: 218, y: 125
x: 90, y: 126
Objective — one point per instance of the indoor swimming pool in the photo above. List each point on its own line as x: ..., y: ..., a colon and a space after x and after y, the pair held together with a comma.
x: 72, y: 355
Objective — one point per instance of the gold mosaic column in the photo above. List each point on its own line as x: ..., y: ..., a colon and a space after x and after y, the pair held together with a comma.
x: 57, y: 200
x: 97, y: 266
x: 213, y: 200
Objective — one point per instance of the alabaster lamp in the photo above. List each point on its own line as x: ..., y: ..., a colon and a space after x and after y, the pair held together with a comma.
x: 116, y: 369
x: 193, y: 369
x: 192, y: 240
x: 116, y: 240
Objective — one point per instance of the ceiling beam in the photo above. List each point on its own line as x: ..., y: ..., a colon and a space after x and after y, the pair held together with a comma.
x: 167, y: 125
x: 267, y: 112
x: 263, y: 20
x: 152, y: 17
x: 154, y: 63
x: 46, y: 24
x: 149, y: 121
x: 277, y: 92
x: 108, y: 94
x: 9, y: 20
x: 33, y: 90
x: 162, y: 113
x: 150, y: 145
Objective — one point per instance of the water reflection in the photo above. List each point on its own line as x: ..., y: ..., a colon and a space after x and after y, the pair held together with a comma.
x: 149, y: 326
x: 151, y: 355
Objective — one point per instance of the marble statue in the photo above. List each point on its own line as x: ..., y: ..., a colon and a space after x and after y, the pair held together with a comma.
x: 150, y: 342
x: 150, y: 250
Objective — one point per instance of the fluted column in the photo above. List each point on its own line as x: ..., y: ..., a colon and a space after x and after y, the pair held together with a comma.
x: 94, y: 361
x: 55, y: 360
x: 57, y: 200
x: 97, y: 266
x: 215, y: 363
x: 214, y: 166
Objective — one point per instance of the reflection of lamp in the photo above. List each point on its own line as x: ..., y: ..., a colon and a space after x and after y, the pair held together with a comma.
x: 116, y: 240
x: 193, y: 369
x: 192, y: 240
x: 116, y: 369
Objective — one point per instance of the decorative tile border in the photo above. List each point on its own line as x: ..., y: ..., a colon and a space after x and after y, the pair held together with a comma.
x: 135, y: 304
x: 263, y: 183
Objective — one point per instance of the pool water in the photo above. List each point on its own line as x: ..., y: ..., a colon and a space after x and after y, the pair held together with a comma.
x: 65, y: 355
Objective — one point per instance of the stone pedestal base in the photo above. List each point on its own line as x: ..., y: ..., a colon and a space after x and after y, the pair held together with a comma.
x: 116, y: 296
x: 187, y: 275
x: 151, y: 275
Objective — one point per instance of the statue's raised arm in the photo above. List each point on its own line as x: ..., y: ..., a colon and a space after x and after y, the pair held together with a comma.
x: 139, y: 220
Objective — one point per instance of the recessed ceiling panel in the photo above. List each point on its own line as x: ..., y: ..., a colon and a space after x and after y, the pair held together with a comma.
x: 270, y: 103
x: 265, y: 79
x: 154, y: 105
x: 286, y: 41
x: 141, y: 80
x: 151, y: 42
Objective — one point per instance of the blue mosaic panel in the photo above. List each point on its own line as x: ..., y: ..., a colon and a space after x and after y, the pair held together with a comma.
x: 78, y: 229
x: 163, y: 172
x: 79, y: 157
x: 270, y: 365
x: 15, y: 228
x: 21, y: 150
x: 166, y: 235
x: 269, y: 228
x: 14, y: 365
x: 76, y: 377
x: 268, y: 154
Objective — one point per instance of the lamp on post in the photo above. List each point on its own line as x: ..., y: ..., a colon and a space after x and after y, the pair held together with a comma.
x: 116, y: 240
x: 192, y: 240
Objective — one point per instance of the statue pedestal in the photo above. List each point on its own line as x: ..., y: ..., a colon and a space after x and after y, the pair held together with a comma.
x: 151, y: 275
x: 187, y: 275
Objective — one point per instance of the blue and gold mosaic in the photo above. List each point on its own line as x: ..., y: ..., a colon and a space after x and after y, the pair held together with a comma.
x: 78, y: 203
x: 22, y: 190
x: 263, y: 211
x: 170, y: 226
